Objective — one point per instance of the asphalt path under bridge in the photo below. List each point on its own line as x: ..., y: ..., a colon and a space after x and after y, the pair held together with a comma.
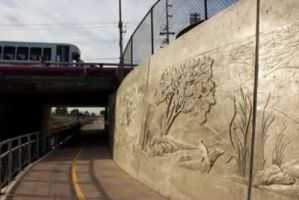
x: 82, y: 169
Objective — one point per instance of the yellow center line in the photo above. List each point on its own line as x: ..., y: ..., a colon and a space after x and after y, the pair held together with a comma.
x: 76, y: 185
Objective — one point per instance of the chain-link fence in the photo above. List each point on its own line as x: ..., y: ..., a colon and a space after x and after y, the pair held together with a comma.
x: 165, y: 21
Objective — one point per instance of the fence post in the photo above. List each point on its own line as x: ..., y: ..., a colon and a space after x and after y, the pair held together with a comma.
x: 152, y: 31
x: 37, y: 144
x: 1, y: 168
x: 206, y: 9
x: 20, y: 165
x: 48, y: 139
x: 132, y: 56
x: 44, y: 142
x: 29, y: 148
x: 9, y: 166
x: 120, y: 26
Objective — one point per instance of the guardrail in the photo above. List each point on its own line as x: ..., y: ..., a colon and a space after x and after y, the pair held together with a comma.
x: 16, y: 153
x: 58, y: 64
x: 84, y: 68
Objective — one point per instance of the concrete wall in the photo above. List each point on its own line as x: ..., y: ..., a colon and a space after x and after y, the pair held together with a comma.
x: 183, y: 117
x: 277, y: 135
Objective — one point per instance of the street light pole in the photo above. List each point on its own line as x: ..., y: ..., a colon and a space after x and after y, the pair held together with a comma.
x: 120, y: 26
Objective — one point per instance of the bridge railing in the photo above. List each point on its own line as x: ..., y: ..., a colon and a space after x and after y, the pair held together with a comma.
x: 16, y: 153
x: 61, y: 64
x: 164, y: 22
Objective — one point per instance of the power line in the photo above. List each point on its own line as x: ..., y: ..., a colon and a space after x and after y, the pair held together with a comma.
x: 52, y: 28
x: 62, y: 23
x: 58, y: 26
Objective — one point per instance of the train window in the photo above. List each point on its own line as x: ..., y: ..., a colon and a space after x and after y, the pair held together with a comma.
x: 9, y: 53
x: 0, y: 52
x: 22, y: 53
x: 35, y: 53
x: 62, y: 53
x: 47, y: 54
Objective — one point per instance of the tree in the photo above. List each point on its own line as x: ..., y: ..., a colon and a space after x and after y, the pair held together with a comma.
x: 75, y: 112
x: 86, y: 113
x: 61, y: 111
x: 102, y: 113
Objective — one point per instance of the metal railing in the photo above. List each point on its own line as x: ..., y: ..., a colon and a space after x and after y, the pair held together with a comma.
x: 16, y: 153
x: 59, y: 64
x: 164, y: 22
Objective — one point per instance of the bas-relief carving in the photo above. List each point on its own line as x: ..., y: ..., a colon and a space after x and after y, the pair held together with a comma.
x: 239, y: 132
x: 240, y: 137
x: 128, y: 112
x: 278, y: 48
x: 201, y: 159
x: 279, y: 52
x: 188, y: 89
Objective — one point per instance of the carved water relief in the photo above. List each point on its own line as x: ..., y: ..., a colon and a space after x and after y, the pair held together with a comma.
x: 276, y: 145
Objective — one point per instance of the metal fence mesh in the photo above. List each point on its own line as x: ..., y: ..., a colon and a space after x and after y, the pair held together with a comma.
x: 142, y: 40
x: 216, y: 6
x: 164, y: 22
x: 128, y: 53
x: 159, y: 19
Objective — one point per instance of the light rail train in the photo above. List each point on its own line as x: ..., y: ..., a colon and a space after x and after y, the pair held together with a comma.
x: 14, y: 53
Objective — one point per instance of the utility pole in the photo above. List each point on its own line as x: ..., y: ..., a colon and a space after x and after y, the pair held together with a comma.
x: 167, y: 21
x: 121, y: 63
x: 166, y: 31
x: 195, y: 18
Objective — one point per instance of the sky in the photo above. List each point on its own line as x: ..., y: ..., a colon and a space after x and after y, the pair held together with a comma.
x: 92, y: 25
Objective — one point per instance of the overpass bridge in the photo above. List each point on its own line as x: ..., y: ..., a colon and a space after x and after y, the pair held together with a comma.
x: 28, y: 92
x: 86, y: 85
x: 193, y: 121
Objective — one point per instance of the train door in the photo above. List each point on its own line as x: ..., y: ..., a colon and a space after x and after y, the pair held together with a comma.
x: 62, y: 53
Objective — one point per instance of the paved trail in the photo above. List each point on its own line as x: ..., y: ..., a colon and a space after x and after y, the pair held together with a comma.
x: 81, y: 170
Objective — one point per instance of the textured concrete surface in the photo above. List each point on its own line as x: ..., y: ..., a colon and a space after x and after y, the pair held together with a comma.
x: 277, y: 136
x: 175, y: 112
x: 97, y: 174
x: 183, y: 118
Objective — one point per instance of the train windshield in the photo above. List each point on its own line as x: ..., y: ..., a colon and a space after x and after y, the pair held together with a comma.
x: 76, y: 57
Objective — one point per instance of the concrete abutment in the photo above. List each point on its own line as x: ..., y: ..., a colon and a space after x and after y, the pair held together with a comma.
x: 183, y: 118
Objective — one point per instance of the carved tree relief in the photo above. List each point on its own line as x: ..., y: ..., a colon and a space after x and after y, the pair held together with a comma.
x: 186, y: 88
x: 128, y: 108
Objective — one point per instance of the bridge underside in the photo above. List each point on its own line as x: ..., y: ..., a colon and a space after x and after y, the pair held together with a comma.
x: 70, y: 86
x: 28, y: 93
